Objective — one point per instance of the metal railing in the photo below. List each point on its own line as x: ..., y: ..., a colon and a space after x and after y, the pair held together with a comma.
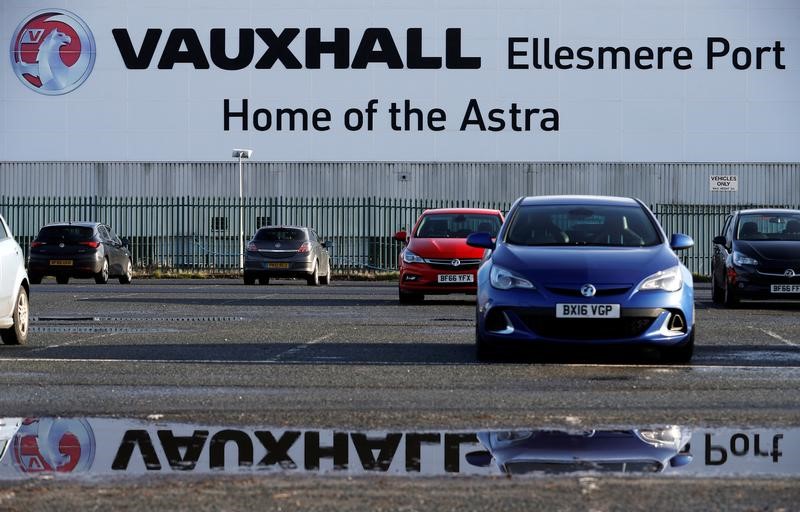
x: 202, y: 234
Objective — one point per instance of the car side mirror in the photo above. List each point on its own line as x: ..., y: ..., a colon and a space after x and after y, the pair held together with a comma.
x: 720, y: 240
x: 679, y: 242
x: 482, y: 240
x: 680, y: 460
x: 401, y: 236
x: 327, y: 244
x: 126, y: 243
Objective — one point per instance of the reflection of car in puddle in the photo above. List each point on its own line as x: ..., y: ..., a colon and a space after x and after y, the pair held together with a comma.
x: 8, y: 427
x: 549, y: 451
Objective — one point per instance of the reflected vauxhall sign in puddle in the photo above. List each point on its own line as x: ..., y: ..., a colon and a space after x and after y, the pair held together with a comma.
x: 106, y: 447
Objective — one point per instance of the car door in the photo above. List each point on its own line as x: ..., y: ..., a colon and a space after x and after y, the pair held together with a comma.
x: 108, y: 248
x: 121, y: 254
x: 324, y: 256
x: 9, y: 260
x: 720, y: 255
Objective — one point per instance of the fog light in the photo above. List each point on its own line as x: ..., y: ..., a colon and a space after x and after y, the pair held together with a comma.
x: 676, y: 323
x: 410, y: 277
x: 498, y: 323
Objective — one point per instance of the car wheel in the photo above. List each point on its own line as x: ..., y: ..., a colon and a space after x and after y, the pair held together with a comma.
x: 102, y: 276
x: 730, y: 300
x: 313, y: 278
x: 249, y: 279
x: 62, y: 279
x: 263, y: 280
x: 326, y: 279
x: 482, y: 350
x: 716, y: 291
x: 18, y: 333
x: 411, y: 298
x: 34, y: 278
x: 681, y: 354
x: 127, y: 277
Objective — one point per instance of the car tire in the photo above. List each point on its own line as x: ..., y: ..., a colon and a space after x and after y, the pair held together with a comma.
x: 127, y: 277
x: 410, y: 297
x: 18, y: 333
x: 249, y: 280
x: 62, y: 279
x: 716, y: 291
x: 263, y: 281
x: 326, y: 279
x: 313, y: 278
x: 729, y: 299
x: 102, y: 276
x: 483, y: 352
x: 682, y: 354
x: 34, y: 279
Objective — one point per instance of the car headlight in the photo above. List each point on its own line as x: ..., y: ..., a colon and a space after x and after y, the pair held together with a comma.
x: 504, y: 279
x: 741, y: 259
x: 672, y: 437
x: 669, y: 280
x: 410, y: 257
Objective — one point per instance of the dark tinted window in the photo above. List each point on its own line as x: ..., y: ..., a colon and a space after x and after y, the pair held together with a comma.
x: 770, y: 226
x: 456, y: 225
x: 597, y: 225
x: 280, y: 234
x: 65, y: 234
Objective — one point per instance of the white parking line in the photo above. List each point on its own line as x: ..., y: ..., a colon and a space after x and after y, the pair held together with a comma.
x: 776, y: 336
x: 294, y: 350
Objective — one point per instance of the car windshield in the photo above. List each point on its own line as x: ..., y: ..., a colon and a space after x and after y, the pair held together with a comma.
x: 64, y: 233
x: 772, y: 226
x: 457, y: 225
x: 595, y: 225
x: 280, y: 234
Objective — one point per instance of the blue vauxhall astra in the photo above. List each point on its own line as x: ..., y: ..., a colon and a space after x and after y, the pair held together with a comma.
x: 584, y: 270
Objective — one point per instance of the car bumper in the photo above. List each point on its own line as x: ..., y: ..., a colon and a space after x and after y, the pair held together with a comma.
x: 526, y: 316
x: 751, y: 284
x: 278, y: 268
x: 423, y: 278
x: 82, y: 266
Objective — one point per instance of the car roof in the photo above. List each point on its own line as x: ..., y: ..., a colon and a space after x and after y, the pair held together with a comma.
x: 484, y: 211
x: 283, y: 227
x: 579, y: 200
x: 765, y: 211
x: 81, y: 224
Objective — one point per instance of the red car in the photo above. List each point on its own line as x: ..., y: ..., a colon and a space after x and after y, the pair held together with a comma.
x: 437, y: 259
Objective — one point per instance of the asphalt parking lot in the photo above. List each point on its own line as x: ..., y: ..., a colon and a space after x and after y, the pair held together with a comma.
x: 349, y: 356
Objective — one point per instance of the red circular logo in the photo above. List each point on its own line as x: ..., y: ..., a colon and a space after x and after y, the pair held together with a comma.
x: 52, y: 51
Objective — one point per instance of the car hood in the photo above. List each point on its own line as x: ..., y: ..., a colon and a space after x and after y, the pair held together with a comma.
x: 444, y: 248
x: 580, y: 264
x: 766, y: 250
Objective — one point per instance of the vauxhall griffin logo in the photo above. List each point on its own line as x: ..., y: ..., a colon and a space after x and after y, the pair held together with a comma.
x: 52, y: 51
x: 54, y: 445
x: 588, y: 290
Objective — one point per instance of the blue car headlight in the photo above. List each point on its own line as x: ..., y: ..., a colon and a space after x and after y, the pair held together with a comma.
x: 669, y: 280
x: 410, y: 257
x: 504, y: 279
x: 740, y: 259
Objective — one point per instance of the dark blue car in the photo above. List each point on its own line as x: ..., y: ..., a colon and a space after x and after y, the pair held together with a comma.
x: 584, y: 270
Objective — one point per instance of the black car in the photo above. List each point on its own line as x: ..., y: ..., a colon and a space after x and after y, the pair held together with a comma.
x: 757, y: 256
x: 79, y: 249
x: 287, y: 251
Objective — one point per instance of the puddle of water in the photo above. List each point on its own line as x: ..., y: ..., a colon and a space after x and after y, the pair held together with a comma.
x: 133, y: 318
x: 95, y: 329
x: 92, y: 447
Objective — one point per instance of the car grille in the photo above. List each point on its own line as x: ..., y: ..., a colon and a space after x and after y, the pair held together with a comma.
x: 277, y: 255
x: 586, y: 328
x: 448, y: 263
x: 521, y: 468
x: 576, y: 292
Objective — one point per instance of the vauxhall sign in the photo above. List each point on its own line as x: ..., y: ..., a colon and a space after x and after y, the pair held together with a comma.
x: 453, y: 83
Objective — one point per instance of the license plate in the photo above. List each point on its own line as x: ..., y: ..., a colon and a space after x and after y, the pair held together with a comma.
x: 456, y: 278
x: 277, y: 265
x: 587, y: 310
x: 61, y: 263
x: 785, y: 288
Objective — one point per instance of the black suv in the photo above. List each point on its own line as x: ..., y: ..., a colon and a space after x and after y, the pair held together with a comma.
x: 757, y: 256
x: 79, y: 249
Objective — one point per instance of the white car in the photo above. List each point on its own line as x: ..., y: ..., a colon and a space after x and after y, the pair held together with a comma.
x: 13, y: 289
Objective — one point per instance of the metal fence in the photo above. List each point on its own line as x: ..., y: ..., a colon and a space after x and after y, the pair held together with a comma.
x: 202, y: 234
